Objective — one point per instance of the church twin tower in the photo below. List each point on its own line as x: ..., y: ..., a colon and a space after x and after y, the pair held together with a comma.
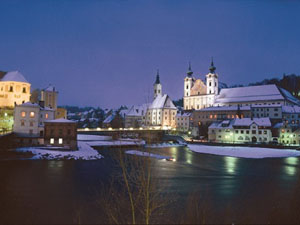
x: 197, y: 94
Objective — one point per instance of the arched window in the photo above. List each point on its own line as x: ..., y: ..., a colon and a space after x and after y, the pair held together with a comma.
x: 240, y: 138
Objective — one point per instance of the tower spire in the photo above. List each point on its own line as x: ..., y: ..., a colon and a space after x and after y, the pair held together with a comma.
x: 212, y: 68
x: 189, y: 72
x: 157, y: 81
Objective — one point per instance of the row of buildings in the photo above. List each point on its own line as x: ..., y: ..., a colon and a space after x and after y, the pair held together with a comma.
x: 36, y: 118
x: 260, y: 114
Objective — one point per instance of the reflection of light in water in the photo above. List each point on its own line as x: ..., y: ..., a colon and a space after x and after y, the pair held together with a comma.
x: 188, y: 157
x: 55, y: 165
x: 292, y: 162
x: 230, y: 164
x: 174, y: 152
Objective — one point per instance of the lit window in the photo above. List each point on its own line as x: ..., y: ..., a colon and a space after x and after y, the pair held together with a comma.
x: 31, y: 114
x: 60, y: 141
x: 51, y: 141
x: 46, y: 116
x: 23, y: 114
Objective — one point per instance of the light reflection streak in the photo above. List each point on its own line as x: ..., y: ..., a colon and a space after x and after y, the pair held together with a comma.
x: 230, y: 164
x: 292, y: 162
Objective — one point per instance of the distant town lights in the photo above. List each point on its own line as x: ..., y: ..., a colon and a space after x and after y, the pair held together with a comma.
x: 86, y: 128
x: 98, y: 128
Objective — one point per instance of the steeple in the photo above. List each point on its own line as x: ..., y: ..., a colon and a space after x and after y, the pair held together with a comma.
x: 212, y: 68
x: 157, y: 81
x: 189, y: 72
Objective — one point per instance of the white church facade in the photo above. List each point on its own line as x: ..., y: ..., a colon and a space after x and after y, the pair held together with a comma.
x: 200, y: 94
x: 162, y: 111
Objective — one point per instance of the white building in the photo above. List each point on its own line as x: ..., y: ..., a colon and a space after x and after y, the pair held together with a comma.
x: 136, y: 116
x: 183, y: 121
x: 255, y: 95
x: 29, y: 120
x: 199, y: 94
x: 254, y: 130
x: 162, y: 111
x: 14, y: 89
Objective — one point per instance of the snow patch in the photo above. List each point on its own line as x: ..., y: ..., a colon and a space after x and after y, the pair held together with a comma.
x: 84, y: 152
x: 244, y: 152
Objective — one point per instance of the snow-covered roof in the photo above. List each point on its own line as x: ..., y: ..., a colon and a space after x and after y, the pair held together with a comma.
x: 138, y: 110
x: 226, y: 124
x: 162, y: 101
x: 244, y: 122
x: 29, y: 104
x: 250, y: 93
x: 288, y: 96
x: 14, y: 76
x: 50, y: 88
x: 290, y: 109
x: 226, y: 108
x: 185, y: 114
x: 109, y: 118
x: 265, y: 122
x: 61, y: 120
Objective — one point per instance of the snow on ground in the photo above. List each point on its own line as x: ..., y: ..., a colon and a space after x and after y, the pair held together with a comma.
x: 96, y: 140
x: 87, y: 137
x: 84, y: 152
x: 164, y: 145
x: 244, y: 152
x: 140, y: 153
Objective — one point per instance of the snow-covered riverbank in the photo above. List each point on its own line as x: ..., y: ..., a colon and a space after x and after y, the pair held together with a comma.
x: 244, y: 152
x: 84, y: 152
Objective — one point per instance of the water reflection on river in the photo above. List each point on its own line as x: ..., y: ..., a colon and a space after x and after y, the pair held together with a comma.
x: 34, y: 191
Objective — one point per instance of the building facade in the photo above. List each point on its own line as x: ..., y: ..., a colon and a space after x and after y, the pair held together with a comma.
x: 14, y: 89
x: 162, y: 112
x: 199, y: 94
x: 61, y: 133
x: 239, y: 131
x: 49, y: 96
x: 183, y: 121
x: 29, y: 121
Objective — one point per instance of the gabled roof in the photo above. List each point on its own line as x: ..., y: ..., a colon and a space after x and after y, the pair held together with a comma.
x: 265, y: 122
x: 138, y: 110
x: 250, y: 93
x: 13, y: 76
x: 162, y: 101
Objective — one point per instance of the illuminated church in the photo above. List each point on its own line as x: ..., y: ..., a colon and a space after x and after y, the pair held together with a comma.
x: 200, y: 94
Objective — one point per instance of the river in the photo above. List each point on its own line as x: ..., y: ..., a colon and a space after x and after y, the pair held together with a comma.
x: 231, y: 190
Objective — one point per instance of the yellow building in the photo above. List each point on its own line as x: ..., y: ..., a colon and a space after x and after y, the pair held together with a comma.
x: 14, y: 89
x: 61, y: 113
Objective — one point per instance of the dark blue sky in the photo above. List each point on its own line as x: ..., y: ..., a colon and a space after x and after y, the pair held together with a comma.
x: 105, y: 53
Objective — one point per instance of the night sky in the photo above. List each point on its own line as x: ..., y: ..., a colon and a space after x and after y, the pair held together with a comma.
x: 106, y: 53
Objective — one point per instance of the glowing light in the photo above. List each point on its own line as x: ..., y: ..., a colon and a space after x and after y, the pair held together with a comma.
x: 190, y: 132
x: 291, y: 135
x: 141, y: 128
x: 109, y: 128
x: 98, y: 128
x: 86, y: 128
x: 230, y: 164
x: 130, y: 128
x: 120, y: 128
x: 5, y: 114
